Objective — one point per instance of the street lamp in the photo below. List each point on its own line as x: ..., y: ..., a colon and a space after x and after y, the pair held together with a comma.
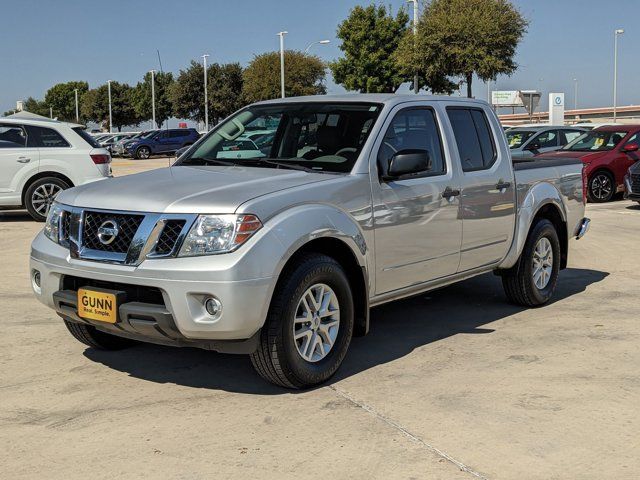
x: 320, y: 42
x: 75, y: 90
x: 575, y: 93
x: 415, y: 31
x: 206, y: 100
x: 616, y: 34
x: 110, y: 118
x: 154, y: 126
x: 281, y: 35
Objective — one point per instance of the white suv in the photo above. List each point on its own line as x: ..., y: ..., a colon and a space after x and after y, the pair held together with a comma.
x: 40, y: 157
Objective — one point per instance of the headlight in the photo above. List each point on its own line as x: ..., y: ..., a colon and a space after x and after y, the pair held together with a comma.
x: 211, y: 234
x: 52, y: 223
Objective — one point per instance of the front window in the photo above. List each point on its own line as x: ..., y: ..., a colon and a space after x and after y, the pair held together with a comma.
x: 596, y: 141
x: 518, y: 138
x: 310, y: 136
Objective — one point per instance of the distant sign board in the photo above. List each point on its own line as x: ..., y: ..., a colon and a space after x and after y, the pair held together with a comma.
x: 182, y: 125
x: 506, y: 98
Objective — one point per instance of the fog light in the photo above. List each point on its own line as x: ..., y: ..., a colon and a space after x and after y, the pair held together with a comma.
x: 213, y: 306
x: 35, y: 281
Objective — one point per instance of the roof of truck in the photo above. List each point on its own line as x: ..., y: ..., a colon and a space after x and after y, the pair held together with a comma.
x: 387, y: 98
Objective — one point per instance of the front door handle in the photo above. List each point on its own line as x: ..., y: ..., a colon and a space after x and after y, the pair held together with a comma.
x: 502, y: 186
x: 449, y: 193
x: 23, y: 160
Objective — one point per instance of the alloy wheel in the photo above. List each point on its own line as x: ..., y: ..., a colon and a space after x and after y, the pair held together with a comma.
x: 542, y: 263
x: 601, y: 186
x: 43, y: 197
x: 316, y: 322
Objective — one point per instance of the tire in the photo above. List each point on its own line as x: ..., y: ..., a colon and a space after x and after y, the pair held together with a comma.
x: 519, y: 282
x: 601, y: 187
x: 94, y: 338
x: 279, y: 359
x: 142, y: 153
x: 40, y: 195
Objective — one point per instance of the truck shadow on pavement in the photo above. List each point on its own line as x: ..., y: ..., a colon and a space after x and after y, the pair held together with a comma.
x: 396, y: 330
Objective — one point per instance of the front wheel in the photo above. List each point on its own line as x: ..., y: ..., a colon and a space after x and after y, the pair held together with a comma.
x: 143, y: 153
x: 309, y: 326
x: 601, y: 187
x: 40, y: 196
x: 532, y: 281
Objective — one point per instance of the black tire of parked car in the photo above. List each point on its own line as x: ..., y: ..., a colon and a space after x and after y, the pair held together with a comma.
x: 277, y: 359
x: 94, y: 338
x: 47, y: 182
x: 597, y: 187
x: 518, y: 281
x: 142, y: 153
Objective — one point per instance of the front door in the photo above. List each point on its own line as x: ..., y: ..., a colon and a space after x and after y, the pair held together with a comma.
x: 16, y: 157
x: 417, y: 228
x: 487, y: 203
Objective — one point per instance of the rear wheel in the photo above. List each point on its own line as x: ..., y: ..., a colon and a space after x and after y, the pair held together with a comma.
x: 40, y: 196
x: 309, y: 326
x: 142, y: 153
x: 532, y: 281
x: 94, y: 338
x: 601, y: 187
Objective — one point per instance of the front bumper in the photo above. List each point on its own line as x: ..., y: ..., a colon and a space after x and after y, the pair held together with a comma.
x: 184, y: 283
x: 629, y: 191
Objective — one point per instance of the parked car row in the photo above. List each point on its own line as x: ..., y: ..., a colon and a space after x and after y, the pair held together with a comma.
x: 142, y: 145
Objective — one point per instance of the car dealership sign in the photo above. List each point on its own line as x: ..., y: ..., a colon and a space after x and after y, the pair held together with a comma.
x: 506, y: 98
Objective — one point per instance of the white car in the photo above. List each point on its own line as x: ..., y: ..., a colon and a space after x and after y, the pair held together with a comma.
x: 40, y: 157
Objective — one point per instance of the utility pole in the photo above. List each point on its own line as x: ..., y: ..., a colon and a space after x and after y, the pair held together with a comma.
x: 281, y: 35
x: 206, y: 99
x: 110, y: 118
x: 75, y: 90
x: 416, y: 80
x: 617, y: 33
x: 154, y: 125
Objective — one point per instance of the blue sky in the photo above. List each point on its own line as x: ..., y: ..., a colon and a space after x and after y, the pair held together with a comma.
x: 46, y: 42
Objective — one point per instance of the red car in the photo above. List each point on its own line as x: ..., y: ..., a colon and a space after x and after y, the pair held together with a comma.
x: 607, y: 154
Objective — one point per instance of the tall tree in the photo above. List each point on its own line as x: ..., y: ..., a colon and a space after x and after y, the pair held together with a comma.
x: 142, y: 99
x: 303, y: 75
x: 95, y: 105
x: 370, y: 36
x: 61, y: 99
x: 463, y: 37
x: 224, y: 89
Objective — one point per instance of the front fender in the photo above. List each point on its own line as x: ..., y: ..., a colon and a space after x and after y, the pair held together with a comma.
x: 538, y: 196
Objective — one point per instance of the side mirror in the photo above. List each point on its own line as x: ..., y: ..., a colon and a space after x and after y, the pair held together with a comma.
x: 630, y: 147
x: 406, y: 162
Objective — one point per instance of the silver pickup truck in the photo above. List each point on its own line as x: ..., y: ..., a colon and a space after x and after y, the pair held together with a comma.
x: 279, y: 250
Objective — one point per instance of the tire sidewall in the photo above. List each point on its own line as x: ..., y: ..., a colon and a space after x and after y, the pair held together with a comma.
x: 331, y: 274
x: 29, y: 194
x: 546, y: 229
x: 594, y: 199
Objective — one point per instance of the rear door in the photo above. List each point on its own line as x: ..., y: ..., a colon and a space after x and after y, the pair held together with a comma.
x: 18, y: 159
x: 487, y: 202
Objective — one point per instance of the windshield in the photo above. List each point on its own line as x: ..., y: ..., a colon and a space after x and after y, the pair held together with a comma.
x: 596, y: 141
x: 518, y: 138
x: 317, y: 136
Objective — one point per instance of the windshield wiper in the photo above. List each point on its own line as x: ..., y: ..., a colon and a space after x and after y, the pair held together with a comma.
x: 211, y: 160
x: 292, y: 166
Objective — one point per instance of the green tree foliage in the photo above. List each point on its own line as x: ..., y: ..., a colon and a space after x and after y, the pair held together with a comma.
x: 370, y: 36
x: 142, y: 99
x: 462, y: 37
x: 95, y: 105
x: 304, y: 75
x: 61, y: 98
x: 224, y: 89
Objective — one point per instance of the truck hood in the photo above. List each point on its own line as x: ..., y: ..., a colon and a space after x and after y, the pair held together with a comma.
x: 209, y: 189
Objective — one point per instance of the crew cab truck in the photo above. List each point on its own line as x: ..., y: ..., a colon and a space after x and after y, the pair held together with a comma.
x: 361, y: 200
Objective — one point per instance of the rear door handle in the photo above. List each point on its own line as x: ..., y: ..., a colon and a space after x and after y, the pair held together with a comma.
x: 503, y: 186
x: 450, y: 193
x: 23, y: 160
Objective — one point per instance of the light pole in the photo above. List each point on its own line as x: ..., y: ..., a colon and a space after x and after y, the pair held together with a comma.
x: 206, y: 99
x: 75, y: 90
x: 415, y: 32
x: 616, y: 34
x: 153, y: 99
x: 575, y: 93
x: 320, y: 42
x: 281, y: 35
x: 110, y: 118
x: 489, y: 91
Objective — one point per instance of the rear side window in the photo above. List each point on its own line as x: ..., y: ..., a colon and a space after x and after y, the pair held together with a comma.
x: 86, y: 137
x: 12, y: 136
x: 47, y: 138
x: 179, y: 133
x: 473, y: 138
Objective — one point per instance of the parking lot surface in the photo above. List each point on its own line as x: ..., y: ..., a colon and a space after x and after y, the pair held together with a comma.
x: 451, y: 384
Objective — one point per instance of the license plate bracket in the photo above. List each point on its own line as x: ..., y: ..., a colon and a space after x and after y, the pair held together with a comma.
x: 100, y: 304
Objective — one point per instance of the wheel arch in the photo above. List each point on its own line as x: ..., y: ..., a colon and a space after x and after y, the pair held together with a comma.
x: 41, y: 175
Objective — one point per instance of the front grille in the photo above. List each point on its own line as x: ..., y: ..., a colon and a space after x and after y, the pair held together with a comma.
x: 127, y: 228
x: 65, y: 229
x: 169, y: 237
x: 635, y: 182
